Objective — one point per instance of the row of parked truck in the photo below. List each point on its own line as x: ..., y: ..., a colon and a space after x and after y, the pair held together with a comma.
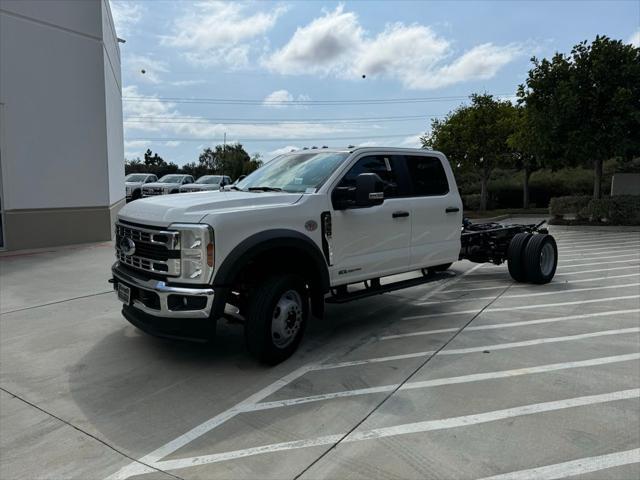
x: 139, y: 185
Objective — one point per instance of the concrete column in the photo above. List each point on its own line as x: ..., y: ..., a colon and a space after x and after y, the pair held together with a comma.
x: 61, y: 139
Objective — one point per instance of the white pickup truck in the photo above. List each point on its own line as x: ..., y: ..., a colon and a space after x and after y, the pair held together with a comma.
x: 308, y: 227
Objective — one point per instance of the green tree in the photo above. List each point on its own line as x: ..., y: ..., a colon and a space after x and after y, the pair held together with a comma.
x: 230, y: 160
x: 585, y: 106
x: 134, y: 166
x: 153, y: 160
x: 253, y: 164
x: 208, y: 161
x: 525, y: 150
x: 475, y: 137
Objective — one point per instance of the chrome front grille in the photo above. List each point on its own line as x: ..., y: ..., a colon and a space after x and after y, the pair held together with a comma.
x: 156, y: 251
x: 153, y: 191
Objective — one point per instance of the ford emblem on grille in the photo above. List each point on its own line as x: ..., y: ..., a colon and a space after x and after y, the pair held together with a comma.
x: 127, y: 246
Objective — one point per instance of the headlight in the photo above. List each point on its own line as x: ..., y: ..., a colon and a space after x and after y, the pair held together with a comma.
x: 128, y: 190
x: 196, y: 252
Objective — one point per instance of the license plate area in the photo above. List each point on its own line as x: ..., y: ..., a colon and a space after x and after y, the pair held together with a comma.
x: 124, y: 293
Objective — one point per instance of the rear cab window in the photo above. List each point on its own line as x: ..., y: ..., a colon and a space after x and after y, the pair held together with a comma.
x: 426, y: 175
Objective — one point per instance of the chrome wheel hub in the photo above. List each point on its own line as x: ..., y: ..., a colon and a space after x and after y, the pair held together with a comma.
x: 287, y: 319
x: 547, y: 259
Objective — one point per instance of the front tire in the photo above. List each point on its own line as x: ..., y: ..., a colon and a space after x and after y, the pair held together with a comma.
x: 277, y: 314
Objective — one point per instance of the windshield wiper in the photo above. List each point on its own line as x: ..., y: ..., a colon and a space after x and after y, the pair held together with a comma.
x: 264, y: 189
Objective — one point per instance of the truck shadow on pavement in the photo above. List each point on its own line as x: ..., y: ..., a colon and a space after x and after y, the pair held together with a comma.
x: 137, y: 391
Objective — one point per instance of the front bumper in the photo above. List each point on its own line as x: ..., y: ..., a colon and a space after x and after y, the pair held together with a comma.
x: 156, y: 298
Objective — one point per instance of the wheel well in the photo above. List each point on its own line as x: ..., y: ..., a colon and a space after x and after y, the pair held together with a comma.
x: 282, y: 260
x: 269, y: 252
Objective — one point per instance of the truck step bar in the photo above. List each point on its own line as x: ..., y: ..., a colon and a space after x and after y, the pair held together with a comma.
x: 343, y: 295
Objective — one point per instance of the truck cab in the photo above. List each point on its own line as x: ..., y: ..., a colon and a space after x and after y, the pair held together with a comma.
x: 272, y: 248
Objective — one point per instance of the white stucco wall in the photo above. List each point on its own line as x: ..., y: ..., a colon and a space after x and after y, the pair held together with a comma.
x: 61, y: 93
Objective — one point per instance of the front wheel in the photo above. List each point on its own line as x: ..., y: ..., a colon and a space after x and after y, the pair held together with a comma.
x: 276, y: 318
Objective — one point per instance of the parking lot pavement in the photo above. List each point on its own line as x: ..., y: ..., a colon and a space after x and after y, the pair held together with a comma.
x: 471, y: 376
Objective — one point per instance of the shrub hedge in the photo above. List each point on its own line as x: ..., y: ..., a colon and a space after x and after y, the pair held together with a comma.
x: 618, y: 210
x: 569, y: 205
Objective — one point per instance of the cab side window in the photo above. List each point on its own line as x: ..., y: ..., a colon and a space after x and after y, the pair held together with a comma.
x: 427, y: 176
x: 378, y: 164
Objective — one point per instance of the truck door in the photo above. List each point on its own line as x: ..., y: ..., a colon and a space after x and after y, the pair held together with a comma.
x: 372, y: 241
x: 436, y: 211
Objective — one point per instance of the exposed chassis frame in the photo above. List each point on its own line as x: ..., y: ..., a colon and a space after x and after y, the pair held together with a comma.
x: 489, y: 242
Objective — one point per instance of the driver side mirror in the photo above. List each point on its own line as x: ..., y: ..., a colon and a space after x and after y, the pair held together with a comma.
x: 369, y: 191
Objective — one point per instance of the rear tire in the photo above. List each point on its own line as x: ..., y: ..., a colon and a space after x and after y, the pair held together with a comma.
x: 276, y: 317
x: 516, y: 256
x: 541, y: 258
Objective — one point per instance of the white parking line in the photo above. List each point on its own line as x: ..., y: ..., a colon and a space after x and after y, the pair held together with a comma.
x: 511, y: 324
x: 404, y: 429
x: 367, y: 361
x: 592, y: 236
x: 598, y: 270
x: 601, y: 242
x: 136, y: 468
x: 451, y: 282
x: 498, y: 346
x: 499, y: 272
x: 521, y: 307
x: 582, y: 280
x: 613, y: 242
x: 438, y: 382
x: 611, y: 248
x: 599, y: 257
x: 600, y: 263
x: 538, y: 341
x: 573, y: 467
x: 527, y: 295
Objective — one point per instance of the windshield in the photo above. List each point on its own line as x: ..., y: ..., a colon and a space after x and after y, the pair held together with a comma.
x: 209, y: 179
x: 171, y: 179
x: 295, y: 172
x: 135, y: 177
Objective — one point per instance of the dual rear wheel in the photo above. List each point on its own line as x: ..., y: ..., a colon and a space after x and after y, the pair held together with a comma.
x: 532, y: 257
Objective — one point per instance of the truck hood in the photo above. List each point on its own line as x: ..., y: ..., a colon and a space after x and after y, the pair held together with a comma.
x: 132, y: 184
x: 193, y: 207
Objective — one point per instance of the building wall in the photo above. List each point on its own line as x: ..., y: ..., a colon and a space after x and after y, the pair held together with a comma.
x: 62, y: 149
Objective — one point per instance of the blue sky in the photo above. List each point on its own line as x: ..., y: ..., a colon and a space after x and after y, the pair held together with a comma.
x: 282, y: 75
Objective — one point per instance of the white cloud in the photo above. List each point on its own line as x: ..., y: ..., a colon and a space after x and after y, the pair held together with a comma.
x: 172, y: 144
x: 336, y: 44
x: 126, y: 14
x: 145, y: 69
x: 221, y: 33
x: 480, y: 63
x: 634, y: 39
x: 283, y: 99
x: 323, y: 46
x: 187, y: 83
x: 145, y: 118
x: 412, y: 141
x: 279, y: 151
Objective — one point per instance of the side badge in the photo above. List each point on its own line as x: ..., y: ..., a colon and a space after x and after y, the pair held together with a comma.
x: 311, y: 225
